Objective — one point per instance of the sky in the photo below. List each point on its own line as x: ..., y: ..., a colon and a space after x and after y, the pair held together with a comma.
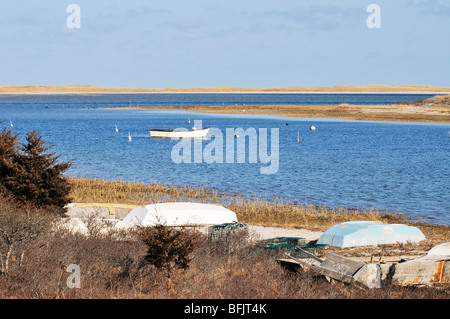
x: 207, y: 43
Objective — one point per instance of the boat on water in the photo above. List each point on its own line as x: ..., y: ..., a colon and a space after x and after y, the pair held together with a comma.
x: 180, y: 133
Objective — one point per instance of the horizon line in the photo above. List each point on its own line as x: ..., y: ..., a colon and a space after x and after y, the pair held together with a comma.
x: 348, y: 88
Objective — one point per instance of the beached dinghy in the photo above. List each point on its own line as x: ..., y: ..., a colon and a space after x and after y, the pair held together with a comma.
x: 178, y: 214
x: 369, y: 233
x: 180, y: 133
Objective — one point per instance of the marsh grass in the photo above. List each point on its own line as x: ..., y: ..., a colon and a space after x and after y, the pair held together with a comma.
x: 255, y: 210
x: 136, y: 193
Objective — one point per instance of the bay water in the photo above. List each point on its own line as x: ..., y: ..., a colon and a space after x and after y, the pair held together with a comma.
x: 355, y: 164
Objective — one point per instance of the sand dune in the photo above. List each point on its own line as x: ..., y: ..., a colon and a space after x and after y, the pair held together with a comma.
x: 90, y: 89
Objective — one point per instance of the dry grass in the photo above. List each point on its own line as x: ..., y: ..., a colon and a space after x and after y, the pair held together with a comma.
x: 252, y: 210
x: 111, y: 265
x: 440, y: 100
x: 135, y: 193
x: 112, y: 269
x: 257, y: 211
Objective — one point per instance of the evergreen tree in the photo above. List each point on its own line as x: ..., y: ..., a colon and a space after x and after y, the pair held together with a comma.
x: 31, y: 173
x: 8, y: 151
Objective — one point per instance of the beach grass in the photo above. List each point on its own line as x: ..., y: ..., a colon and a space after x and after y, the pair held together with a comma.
x: 255, y: 210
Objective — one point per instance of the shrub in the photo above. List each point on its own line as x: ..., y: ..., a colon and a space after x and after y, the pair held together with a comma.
x: 167, y: 248
x: 19, y: 226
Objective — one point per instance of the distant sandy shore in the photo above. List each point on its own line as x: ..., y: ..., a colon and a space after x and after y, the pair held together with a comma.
x: 90, y: 89
x: 435, y: 109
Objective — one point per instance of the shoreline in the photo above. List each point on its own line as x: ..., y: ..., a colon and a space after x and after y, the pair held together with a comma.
x: 339, y: 89
x: 227, y: 92
x: 386, y: 113
x: 435, y: 109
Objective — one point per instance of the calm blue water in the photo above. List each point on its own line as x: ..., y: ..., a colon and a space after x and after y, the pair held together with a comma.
x: 123, y: 100
x: 383, y: 165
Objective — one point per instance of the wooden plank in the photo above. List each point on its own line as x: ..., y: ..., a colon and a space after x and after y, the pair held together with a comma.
x: 309, y: 254
x: 289, y: 264
x: 340, y: 264
x: 305, y: 263
x: 387, y: 259
x: 334, y: 266
x: 425, y: 270
x: 348, y: 262
x: 332, y: 274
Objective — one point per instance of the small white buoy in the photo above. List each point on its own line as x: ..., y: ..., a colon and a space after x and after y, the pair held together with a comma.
x: 117, y: 130
x: 312, y: 128
x: 129, y: 137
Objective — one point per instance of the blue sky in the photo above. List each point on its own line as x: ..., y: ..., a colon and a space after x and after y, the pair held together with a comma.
x: 248, y: 43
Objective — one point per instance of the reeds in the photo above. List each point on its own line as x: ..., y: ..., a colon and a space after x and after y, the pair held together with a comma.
x: 249, y: 209
x: 136, y: 193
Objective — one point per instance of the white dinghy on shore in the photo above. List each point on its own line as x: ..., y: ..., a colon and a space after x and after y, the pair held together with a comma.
x: 178, y: 214
x: 369, y: 233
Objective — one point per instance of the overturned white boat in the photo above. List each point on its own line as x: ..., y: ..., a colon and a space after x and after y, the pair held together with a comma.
x: 440, y: 250
x: 178, y: 214
x: 180, y: 133
x: 369, y: 233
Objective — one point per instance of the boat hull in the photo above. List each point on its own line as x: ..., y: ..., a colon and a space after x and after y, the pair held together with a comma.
x: 201, y: 133
x: 178, y: 214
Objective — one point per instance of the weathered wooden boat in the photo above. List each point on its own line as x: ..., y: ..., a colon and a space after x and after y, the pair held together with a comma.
x: 404, y: 271
x: 180, y: 133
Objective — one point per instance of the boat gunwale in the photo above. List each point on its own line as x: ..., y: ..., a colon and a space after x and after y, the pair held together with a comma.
x: 166, y: 130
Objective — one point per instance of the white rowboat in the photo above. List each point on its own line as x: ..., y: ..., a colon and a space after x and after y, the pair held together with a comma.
x: 194, y: 133
x: 178, y: 214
